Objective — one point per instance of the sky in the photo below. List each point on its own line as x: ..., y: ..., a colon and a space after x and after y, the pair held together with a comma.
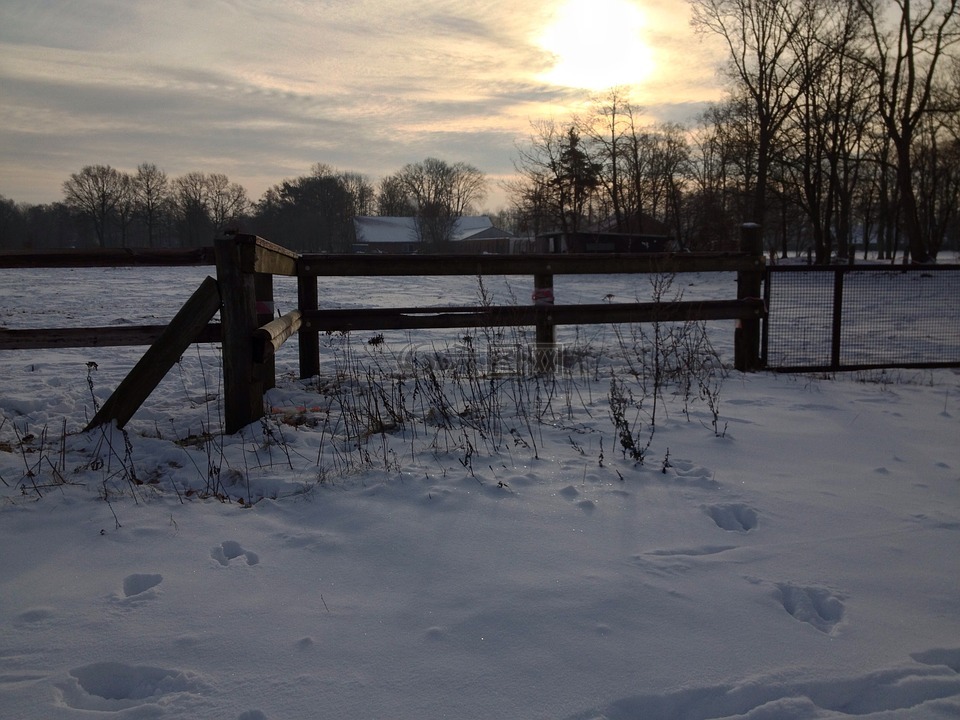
x: 261, y: 90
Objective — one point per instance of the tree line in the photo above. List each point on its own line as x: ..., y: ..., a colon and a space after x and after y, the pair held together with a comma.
x: 840, y: 126
x: 106, y: 207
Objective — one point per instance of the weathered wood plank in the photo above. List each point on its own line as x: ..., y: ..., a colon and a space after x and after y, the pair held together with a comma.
x: 523, y: 315
x: 108, y: 257
x: 182, y: 331
x: 546, y: 331
x: 580, y: 264
x: 270, y: 337
x: 242, y: 388
x: 308, y: 300
x: 262, y: 256
x: 263, y: 291
x: 108, y: 336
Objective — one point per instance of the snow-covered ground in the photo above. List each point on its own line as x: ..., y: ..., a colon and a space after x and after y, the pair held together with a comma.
x: 452, y: 544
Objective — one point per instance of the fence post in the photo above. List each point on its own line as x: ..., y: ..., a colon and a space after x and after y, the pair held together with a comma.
x: 242, y: 388
x: 546, y: 335
x: 837, y: 322
x: 263, y: 289
x: 309, y: 339
x: 746, y: 340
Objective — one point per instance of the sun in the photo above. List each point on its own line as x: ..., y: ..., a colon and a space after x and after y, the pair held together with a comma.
x: 597, y: 44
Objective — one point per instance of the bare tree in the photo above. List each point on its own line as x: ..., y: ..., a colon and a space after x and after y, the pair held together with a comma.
x: 936, y: 163
x: 823, y: 137
x: 637, y: 165
x: 428, y: 185
x: 192, y: 204
x: 440, y: 193
x: 468, y: 188
x: 529, y: 204
x: 126, y: 205
x: 362, y: 194
x: 227, y: 201
x: 94, y: 193
x: 458, y: 188
x: 641, y: 167
x: 722, y: 172
x: 907, y: 54
x: 152, y: 196
x: 759, y: 35
x: 668, y: 155
x: 392, y: 200
x: 206, y: 203
x: 606, y: 129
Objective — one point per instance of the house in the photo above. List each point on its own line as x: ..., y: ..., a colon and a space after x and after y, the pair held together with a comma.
x: 400, y: 235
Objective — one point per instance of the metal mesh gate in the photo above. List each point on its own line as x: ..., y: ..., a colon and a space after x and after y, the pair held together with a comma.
x: 861, y: 317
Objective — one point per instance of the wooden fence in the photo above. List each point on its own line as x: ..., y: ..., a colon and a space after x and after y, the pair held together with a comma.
x: 251, y: 335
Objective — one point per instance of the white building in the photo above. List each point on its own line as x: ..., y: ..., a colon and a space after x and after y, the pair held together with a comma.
x: 471, y: 234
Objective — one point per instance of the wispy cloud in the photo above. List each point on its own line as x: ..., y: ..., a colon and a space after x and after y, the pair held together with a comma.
x: 262, y: 89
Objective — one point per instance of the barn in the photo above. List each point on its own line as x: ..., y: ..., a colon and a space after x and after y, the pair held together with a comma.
x: 401, y: 235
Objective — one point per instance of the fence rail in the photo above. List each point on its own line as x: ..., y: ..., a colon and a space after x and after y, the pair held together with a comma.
x: 109, y: 257
x: 110, y: 335
x: 243, y: 295
x: 544, y: 315
x: 418, y: 318
x: 535, y: 264
x: 107, y: 336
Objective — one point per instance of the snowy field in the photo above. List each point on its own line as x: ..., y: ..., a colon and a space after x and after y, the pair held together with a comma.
x: 419, y: 533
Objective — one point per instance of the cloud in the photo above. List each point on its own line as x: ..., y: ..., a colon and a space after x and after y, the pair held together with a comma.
x: 262, y: 89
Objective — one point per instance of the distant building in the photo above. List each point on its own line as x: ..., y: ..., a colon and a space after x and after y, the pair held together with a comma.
x: 399, y: 235
x: 637, y: 233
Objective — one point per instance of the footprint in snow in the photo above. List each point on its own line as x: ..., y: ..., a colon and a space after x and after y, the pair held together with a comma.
x: 139, y: 583
x: 735, y: 517
x: 114, y: 686
x: 816, y: 606
x: 231, y: 550
x: 689, y: 473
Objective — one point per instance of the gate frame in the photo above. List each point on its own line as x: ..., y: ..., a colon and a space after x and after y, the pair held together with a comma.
x: 840, y: 272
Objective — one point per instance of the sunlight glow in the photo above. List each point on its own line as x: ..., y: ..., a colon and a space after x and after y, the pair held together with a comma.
x: 597, y: 44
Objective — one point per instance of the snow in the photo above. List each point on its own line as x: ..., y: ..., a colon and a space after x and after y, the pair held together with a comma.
x: 799, y: 562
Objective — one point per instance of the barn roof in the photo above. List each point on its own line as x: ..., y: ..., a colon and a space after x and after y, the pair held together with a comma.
x: 404, y: 229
